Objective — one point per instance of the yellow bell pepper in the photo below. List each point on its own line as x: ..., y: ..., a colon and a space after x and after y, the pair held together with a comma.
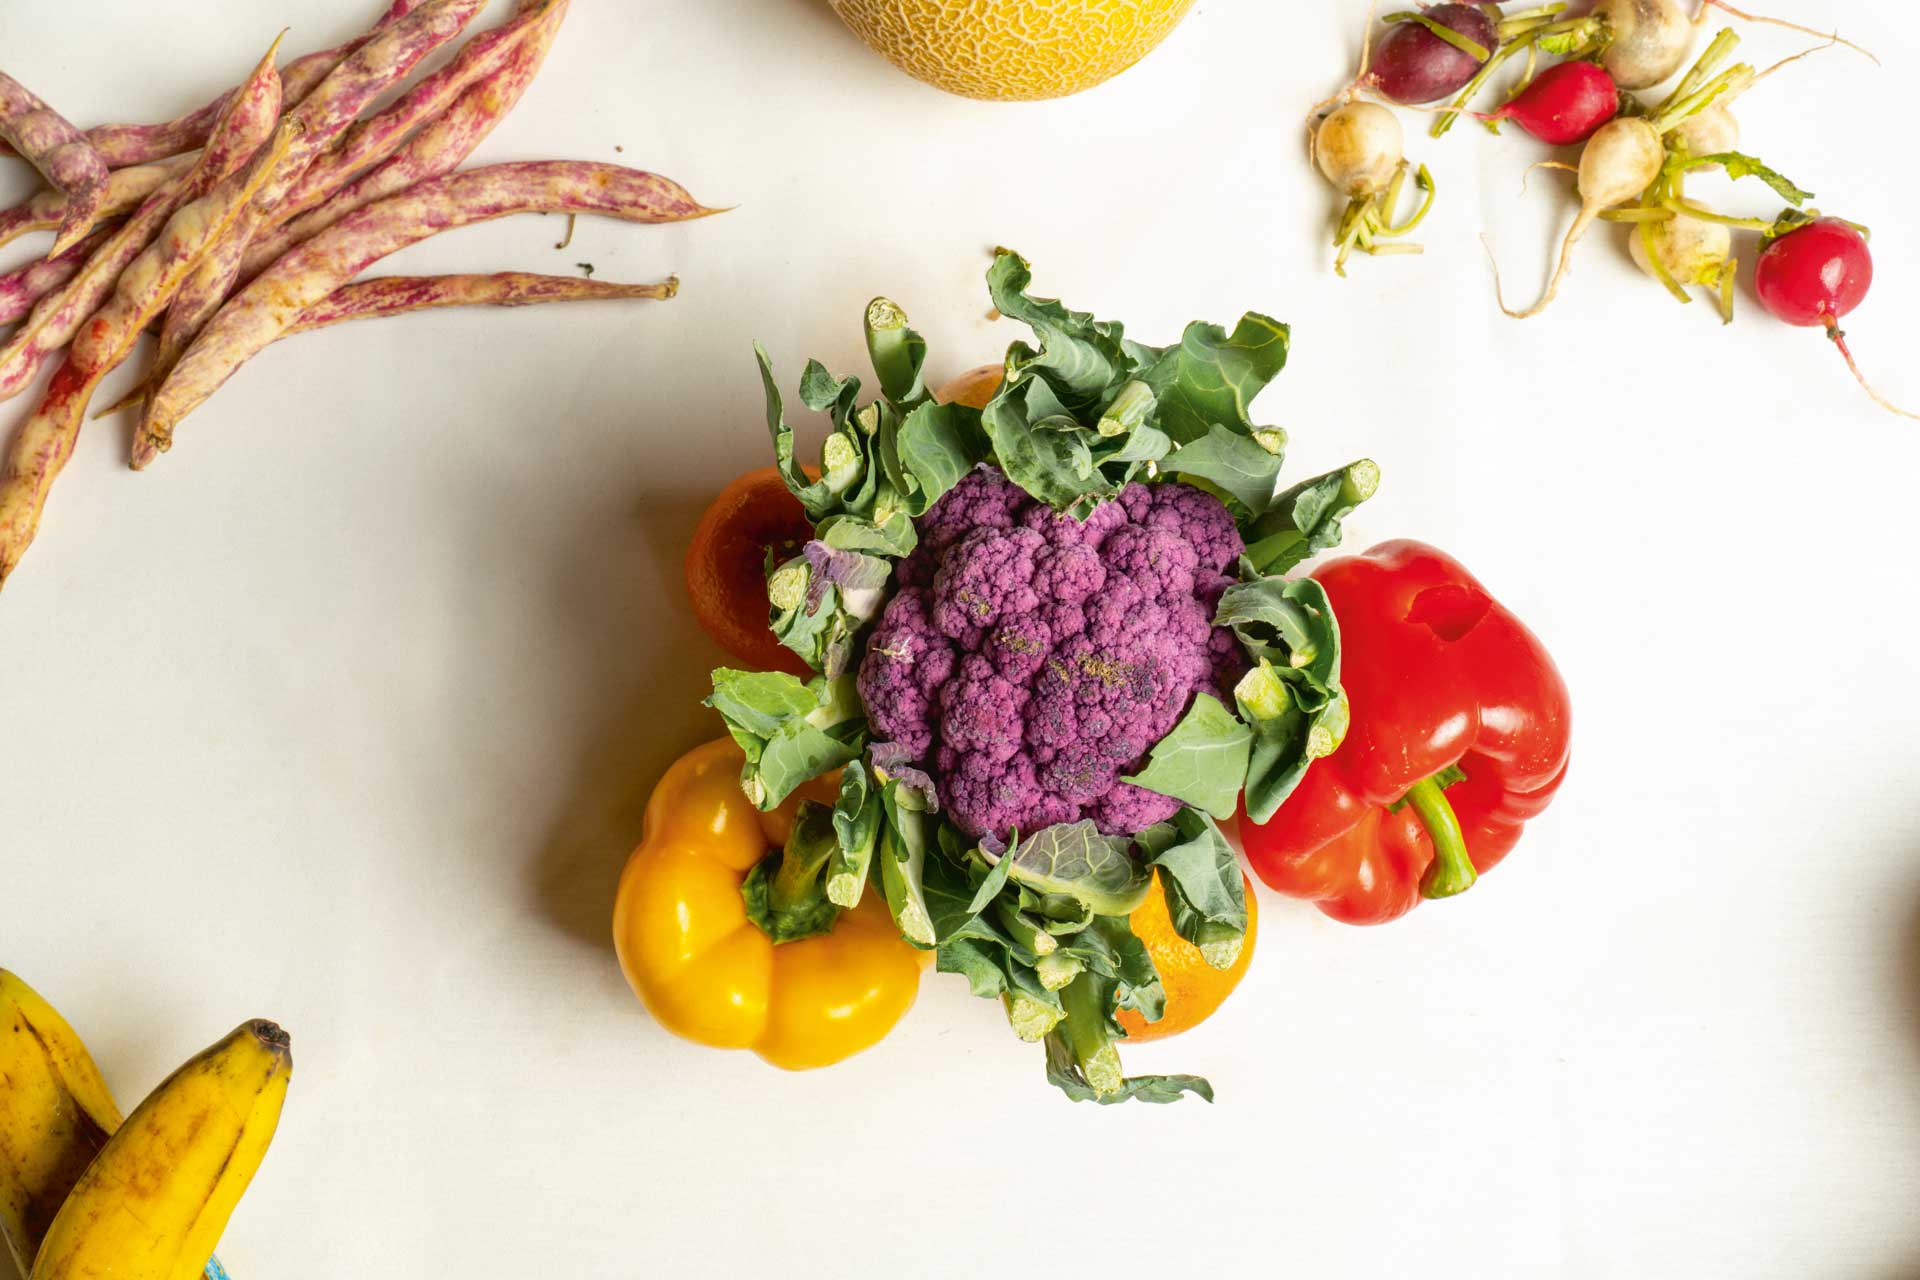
x: 694, y: 955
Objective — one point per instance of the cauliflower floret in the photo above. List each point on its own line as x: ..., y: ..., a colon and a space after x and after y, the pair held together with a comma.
x: 1031, y: 660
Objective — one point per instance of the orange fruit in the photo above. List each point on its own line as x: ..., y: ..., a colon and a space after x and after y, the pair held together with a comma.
x: 726, y: 567
x: 1012, y: 49
x: 1194, y: 988
x: 974, y: 387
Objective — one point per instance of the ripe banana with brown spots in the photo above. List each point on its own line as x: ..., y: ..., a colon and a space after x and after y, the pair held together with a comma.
x: 57, y: 1117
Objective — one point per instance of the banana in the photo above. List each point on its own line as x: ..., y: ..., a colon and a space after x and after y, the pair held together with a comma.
x: 55, y: 1115
x: 153, y: 1203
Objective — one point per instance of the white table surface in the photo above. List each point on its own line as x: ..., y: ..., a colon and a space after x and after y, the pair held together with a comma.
x: 345, y: 713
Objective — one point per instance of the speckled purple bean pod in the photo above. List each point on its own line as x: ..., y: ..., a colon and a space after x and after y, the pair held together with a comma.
x: 324, y: 115
x: 439, y: 148
x: 44, y: 138
x: 41, y: 447
x: 121, y: 145
x: 19, y: 290
x: 373, y: 140
x: 400, y: 295
x: 58, y: 316
x: 276, y: 300
x: 126, y: 188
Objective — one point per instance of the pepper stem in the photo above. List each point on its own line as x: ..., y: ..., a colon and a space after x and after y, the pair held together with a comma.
x: 1452, y: 870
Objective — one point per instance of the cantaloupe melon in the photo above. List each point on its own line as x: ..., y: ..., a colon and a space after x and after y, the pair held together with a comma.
x: 1013, y: 49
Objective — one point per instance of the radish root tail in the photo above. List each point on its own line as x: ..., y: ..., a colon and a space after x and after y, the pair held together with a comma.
x: 1839, y: 340
x: 1544, y: 164
x: 1339, y: 98
x: 1577, y: 230
x: 1708, y: 6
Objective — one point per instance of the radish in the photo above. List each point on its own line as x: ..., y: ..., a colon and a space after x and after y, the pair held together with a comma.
x: 1620, y: 162
x: 1682, y: 251
x: 1646, y: 40
x: 1708, y: 132
x: 1359, y: 148
x: 1567, y: 103
x: 1415, y: 63
x: 1814, y: 274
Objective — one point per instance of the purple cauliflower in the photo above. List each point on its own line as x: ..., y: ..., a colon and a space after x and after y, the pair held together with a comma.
x: 1028, y: 660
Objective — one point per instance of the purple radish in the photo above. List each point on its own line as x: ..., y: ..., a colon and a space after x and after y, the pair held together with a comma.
x: 1412, y: 65
x: 1567, y: 103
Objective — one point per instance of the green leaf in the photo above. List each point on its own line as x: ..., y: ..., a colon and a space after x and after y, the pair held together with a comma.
x: 1306, y: 519
x: 1075, y: 860
x: 1064, y: 1074
x: 1080, y: 360
x: 1291, y: 699
x: 990, y: 885
x: 903, y: 855
x: 857, y: 816
x: 937, y: 445
x: 950, y: 893
x: 1083, y: 1060
x: 1739, y: 165
x: 790, y: 731
x: 760, y: 701
x: 1231, y: 462
x: 814, y: 495
x: 1056, y: 467
x: 899, y: 354
x: 1212, y: 377
x: 1204, y: 890
x: 1203, y: 761
x: 821, y: 391
x: 895, y: 537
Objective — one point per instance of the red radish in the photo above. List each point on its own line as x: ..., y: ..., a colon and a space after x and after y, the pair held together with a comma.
x: 1814, y: 275
x: 1413, y: 65
x: 1566, y: 103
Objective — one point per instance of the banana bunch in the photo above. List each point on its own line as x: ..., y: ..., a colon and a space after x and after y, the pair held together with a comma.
x: 86, y: 1195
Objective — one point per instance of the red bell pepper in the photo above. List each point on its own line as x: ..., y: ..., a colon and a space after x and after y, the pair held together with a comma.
x: 1459, y: 735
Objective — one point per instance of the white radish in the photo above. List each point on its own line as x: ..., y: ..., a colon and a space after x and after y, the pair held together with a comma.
x: 1648, y: 40
x: 1359, y: 148
x: 1620, y: 162
x: 1682, y: 251
x: 1708, y: 132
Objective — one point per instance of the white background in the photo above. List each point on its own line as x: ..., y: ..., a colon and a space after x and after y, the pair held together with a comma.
x: 345, y: 713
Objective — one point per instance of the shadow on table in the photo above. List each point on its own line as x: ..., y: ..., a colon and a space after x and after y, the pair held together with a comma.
x: 822, y: 12
x: 645, y: 649
x: 1907, y: 1005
